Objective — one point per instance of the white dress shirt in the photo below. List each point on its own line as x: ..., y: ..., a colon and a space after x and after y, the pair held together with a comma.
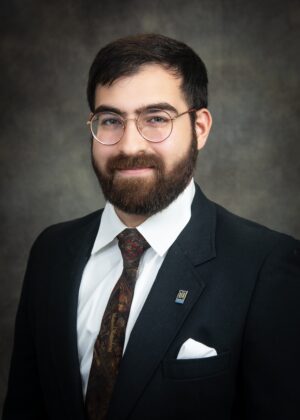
x: 105, y: 266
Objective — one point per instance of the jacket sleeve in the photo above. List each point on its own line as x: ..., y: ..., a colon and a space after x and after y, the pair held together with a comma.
x: 271, y: 357
x: 24, y: 399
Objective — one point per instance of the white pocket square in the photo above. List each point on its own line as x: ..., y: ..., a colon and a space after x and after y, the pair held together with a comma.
x: 192, y: 349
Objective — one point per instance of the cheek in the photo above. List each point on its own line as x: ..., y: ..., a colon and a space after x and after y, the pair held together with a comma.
x: 173, y: 149
x: 101, y: 154
x: 168, y: 154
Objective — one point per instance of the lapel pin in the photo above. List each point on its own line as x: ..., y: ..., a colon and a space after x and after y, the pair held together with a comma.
x: 181, y: 296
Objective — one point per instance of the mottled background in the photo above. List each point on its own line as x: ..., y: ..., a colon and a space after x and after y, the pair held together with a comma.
x: 250, y: 165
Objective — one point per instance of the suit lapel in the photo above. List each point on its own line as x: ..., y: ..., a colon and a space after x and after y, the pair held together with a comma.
x: 63, y: 317
x: 161, y: 318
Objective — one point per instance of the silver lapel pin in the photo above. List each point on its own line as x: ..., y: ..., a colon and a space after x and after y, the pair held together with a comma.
x: 181, y: 296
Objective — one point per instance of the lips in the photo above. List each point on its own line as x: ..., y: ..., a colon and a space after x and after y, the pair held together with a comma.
x: 135, y: 171
x: 133, y: 168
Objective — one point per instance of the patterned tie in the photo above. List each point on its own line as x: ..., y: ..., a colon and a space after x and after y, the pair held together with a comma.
x: 109, y: 345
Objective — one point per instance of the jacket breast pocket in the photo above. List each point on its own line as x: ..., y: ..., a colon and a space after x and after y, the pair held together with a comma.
x: 192, y: 369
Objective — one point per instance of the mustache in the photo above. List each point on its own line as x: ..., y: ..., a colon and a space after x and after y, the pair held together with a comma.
x: 123, y: 161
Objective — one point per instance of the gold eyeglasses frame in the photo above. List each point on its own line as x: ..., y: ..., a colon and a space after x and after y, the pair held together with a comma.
x: 125, y: 120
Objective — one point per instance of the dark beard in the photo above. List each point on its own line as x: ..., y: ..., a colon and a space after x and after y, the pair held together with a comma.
x: 146, y: 196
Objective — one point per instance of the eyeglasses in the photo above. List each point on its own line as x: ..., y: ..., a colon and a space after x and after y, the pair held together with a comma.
x: 154, y: 125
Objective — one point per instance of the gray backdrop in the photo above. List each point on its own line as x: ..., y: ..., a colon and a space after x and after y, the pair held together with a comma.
x: 250, y: 164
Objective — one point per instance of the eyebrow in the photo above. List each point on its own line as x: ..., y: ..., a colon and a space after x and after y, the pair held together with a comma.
x: 164, y: 106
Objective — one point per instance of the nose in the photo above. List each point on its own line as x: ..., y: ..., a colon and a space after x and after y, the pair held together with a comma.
x: 132, y: 141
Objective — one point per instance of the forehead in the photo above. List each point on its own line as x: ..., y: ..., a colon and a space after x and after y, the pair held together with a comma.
x: 152, y: 84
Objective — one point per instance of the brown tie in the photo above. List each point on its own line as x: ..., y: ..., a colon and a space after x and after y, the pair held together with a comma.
x: 109, y: 344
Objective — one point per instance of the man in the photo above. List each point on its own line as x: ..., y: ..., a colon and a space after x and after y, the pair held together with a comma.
x: 164, y: 305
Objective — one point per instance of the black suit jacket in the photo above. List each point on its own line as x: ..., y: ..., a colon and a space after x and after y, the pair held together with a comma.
x: 243, y: 284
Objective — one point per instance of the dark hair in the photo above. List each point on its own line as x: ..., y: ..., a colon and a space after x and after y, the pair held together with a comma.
x: 125, y: 56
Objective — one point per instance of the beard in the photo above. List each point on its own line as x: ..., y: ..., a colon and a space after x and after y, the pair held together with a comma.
x: 145, y: 195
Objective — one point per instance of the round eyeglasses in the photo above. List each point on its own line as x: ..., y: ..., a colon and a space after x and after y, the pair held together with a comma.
x: 154, y: 125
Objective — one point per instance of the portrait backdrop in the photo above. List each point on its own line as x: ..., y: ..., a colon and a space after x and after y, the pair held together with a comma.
x: 251, y: 161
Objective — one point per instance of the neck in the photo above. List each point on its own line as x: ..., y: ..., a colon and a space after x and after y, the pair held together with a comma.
x: 131, y: 220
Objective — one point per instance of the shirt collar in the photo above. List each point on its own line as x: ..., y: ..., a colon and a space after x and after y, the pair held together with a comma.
x: 160, y: 230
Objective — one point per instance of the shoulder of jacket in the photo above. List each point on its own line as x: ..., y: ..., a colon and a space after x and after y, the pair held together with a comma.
x: 247, y: 233
x: 68, y: 228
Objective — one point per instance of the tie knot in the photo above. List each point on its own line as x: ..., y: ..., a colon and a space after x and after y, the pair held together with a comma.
x: 132, y: 245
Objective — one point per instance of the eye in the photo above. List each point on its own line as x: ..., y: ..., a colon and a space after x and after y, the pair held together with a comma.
x: 108, y: 120
x: 156, y: 119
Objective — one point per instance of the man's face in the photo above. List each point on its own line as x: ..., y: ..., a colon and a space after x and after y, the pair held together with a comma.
x: 137, y: 176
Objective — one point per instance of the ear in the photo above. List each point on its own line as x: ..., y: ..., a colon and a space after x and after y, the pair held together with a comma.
x: 203, y: 124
